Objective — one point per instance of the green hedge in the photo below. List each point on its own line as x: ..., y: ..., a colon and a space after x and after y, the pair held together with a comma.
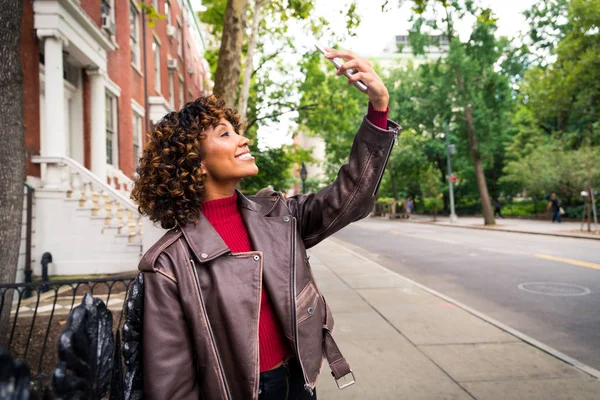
x: 524, y: 208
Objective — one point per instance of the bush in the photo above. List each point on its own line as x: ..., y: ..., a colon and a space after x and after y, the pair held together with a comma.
x: 430, y: 203
x: 385, y: 200
x: 524, y: 208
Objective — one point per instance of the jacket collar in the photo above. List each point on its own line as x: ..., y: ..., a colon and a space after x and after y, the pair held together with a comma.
x: 206, y: 243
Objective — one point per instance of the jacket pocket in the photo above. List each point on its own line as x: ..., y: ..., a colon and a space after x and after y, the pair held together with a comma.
x: 307, y: 303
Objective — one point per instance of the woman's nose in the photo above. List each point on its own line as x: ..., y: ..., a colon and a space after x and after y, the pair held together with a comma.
x: 244, y: 141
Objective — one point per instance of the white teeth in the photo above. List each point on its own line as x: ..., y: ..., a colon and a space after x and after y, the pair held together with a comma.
x: 245, y: 156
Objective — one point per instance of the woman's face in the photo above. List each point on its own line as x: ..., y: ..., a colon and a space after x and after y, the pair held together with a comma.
x: 226, y: 154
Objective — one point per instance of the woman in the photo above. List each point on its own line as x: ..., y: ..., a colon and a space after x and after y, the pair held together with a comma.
x: 554, y: 205
x: 231, y: 309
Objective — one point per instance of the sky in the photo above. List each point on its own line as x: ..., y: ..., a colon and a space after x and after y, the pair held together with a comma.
x: 378, y: 28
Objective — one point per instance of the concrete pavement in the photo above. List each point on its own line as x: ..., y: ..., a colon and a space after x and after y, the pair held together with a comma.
x: 404, y: 341
x: 567, y: 229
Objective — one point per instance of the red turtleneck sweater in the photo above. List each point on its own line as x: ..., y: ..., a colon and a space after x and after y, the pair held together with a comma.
x: 224, y: 216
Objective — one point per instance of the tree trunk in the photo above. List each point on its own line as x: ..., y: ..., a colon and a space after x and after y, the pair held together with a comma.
x: 249, y: 67
x: 394, y: 186
x: 230, y: 54
x: 486, y: 205
x: 12, y: 151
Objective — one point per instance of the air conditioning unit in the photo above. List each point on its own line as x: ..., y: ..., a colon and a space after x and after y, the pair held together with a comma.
x: 171, y: 31
x: 108, y: 25
x: 191, y: 70
x: 172, y: 64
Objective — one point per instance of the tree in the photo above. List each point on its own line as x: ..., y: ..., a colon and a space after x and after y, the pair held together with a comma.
x: 249, y: 67
x: 554, y: 168
x: 12, y: 151
x: 564, y: 96
x: 230, y: 53
x: 478, y: 87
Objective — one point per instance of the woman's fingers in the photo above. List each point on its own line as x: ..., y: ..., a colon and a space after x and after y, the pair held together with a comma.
x: 377, y: 92
x: 359, y: 64
x: 360, y: 76
x: 343, y: 54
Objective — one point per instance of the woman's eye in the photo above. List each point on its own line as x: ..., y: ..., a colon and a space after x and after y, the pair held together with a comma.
x: 225, y: 134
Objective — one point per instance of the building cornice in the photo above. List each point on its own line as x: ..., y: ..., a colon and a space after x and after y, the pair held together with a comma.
x: 54, y: 8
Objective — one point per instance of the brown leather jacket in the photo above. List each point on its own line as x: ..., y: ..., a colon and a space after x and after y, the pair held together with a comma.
x: 202, y: 302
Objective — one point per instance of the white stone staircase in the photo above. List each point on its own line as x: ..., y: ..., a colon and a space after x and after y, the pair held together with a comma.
x: 89, y: 226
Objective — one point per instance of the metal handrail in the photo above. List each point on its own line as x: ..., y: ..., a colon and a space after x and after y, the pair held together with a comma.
x: 84, y: 171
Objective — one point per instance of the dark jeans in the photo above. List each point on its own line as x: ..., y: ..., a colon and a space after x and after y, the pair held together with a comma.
x: 284, y: 383
x: 499, y: 212
x: 556, y: 216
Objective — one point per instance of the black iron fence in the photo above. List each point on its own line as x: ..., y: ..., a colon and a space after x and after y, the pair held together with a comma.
x: 39, y: 312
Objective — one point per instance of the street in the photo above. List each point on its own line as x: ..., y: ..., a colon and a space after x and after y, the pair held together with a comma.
x: 517, y: 279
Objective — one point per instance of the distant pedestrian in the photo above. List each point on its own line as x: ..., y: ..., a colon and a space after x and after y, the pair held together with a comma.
x: 554, y: 204
x: 409, y: 206
x: 498, y: 208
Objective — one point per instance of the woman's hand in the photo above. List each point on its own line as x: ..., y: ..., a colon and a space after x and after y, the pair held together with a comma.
x: 377, y: 92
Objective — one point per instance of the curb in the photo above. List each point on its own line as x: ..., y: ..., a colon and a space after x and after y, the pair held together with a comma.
x: 535, y: 343
x: 504, y: 230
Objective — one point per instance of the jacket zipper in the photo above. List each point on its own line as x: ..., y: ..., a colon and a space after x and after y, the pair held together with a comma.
x: 383, y: 169
x: 210, y: 331
x: 294, y: 319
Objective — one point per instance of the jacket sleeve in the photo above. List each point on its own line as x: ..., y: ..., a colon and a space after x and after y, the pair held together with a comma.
x: 351, y: 196
x: 169, y: 370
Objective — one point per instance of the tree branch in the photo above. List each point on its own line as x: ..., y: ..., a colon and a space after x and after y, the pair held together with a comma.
x: 265, y: 60
x: 277, y: 114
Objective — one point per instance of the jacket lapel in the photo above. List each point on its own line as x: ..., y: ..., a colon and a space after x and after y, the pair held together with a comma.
x: 205, y: 242
x: 272, y: 236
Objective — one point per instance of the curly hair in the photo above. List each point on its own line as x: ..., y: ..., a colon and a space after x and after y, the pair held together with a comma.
x: 169, y: 186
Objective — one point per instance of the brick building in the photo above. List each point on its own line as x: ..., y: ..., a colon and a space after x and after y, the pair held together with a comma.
x: 96, y: 74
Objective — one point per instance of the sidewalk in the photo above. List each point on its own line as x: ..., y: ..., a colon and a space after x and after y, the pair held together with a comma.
x: 567, y: 229
x: 405, y: 342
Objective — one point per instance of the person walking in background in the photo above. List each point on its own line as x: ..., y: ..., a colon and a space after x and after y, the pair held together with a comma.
x: 498, y: 208
x: 554, y: 204
x: 409, y: 206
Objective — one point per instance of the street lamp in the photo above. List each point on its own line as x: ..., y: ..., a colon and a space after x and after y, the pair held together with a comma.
x: 303, y: 174
x: 451, y: 179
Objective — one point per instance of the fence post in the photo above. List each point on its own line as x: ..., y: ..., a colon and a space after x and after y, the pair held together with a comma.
x: 46, y: 259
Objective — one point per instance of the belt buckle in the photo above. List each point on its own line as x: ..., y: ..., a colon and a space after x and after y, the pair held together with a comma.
x: 346, y: 384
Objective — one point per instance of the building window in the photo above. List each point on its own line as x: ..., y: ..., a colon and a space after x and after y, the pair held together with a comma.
x: 189, y: 49
x: 179, y: 40
x: 156, y: 54
x: 111, y: 129
x: 107, y: 10
x: 134, y: 34
x: 155, y: 5
x: 137, y: 138
x: 181, y: 93
x: 172, y: 88
x: 168, y: 13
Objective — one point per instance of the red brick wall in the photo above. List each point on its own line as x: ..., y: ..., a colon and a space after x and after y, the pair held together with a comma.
x: 123, y: 74
x: 92, y: 8
x: 120, y: 71
x: 31, y: 87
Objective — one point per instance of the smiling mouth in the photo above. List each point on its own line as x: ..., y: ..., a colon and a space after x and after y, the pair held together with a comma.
x: 244, y: 156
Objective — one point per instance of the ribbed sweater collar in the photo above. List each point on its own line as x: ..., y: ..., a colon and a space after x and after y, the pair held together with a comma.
x: 220, y: 210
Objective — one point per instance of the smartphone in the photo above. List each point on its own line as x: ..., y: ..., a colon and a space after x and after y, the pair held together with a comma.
x: 338, y: 63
